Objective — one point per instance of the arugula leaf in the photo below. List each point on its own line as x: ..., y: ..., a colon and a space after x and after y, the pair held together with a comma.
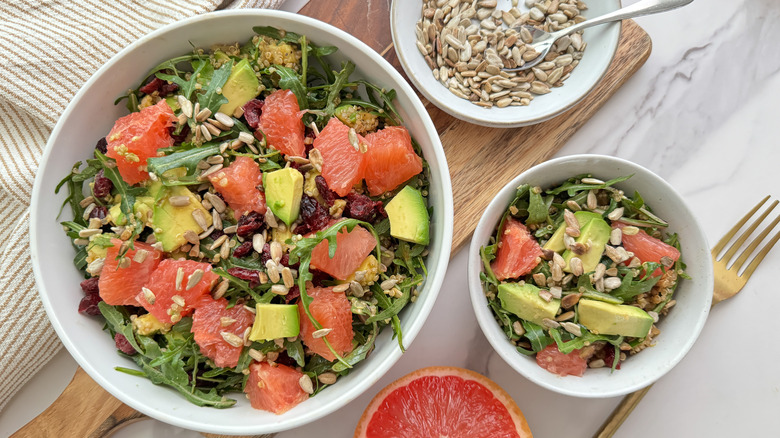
x: 119, y: 324
x: 127, y: 192
x: 210, y: 98
x: 572, y: 187
x: 295, y: 351
x: 630, y: 288
x: 186, y: 87
x: 538, y: 209
x: 587, y: 338
x: 535, y: 334
x: 290, y: 80
x: 338, y: 84
x: 187, y: 159
x: 359, y: 353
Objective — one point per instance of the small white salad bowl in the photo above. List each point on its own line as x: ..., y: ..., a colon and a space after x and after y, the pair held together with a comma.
x: 679, y: 329
x: 602, y: 44
x: 90, y: 116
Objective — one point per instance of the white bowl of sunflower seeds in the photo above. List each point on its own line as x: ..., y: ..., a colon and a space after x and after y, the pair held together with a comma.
x: 678, y: 328
x: 453, y: 51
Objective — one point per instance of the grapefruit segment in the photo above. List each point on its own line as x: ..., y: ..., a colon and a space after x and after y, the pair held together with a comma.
x: 238, y: 184
x: 274, y: 388
x: 442, y: 402
x: 562, y: 364
x: 211, y: 319
x: 281, y: 123
x: 390, y: 160
x: 333, y: 311
x: 136, y: 138
x: 119, y: 286
x: 351, y: 249
x: 646, y: 247
x: 518, y: 252
x: 342, y: 165
x: 164, y: 286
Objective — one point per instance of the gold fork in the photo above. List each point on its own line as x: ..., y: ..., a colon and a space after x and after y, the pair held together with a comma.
x: 728, y: 281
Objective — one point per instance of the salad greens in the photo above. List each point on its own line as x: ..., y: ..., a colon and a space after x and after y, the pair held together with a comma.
x: 604, y: 258
x: 246, y: 271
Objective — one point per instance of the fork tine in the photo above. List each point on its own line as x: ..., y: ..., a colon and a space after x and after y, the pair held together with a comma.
x: 754, y: 264
x: 733, y: 231
x: 754, y: 244
x: 743, y: 237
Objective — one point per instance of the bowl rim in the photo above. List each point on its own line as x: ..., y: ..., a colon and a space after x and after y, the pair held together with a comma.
x: 485, y: 316
x: 472, y: 117
x: 435, y: 279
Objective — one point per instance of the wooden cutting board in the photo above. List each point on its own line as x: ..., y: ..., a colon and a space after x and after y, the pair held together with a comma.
x: 86, y: 410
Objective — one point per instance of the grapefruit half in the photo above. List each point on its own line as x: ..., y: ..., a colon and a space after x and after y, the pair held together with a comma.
x: 443, y: 402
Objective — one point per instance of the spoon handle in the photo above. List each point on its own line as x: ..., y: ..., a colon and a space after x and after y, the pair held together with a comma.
x: 644, y: 7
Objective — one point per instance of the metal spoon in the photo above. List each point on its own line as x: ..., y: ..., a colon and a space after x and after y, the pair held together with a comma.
x: 543, y: 41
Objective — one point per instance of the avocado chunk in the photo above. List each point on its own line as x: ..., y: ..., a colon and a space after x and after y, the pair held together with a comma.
x: 408, y: 216
x: 170, y: 222
x: 595, y: 234
x: 142, y: 208
x: 241, y: 87
x: 283, y: 191
x: 273, y: 321
x: 523, y: 300
x: 556, y: 241
x: 614, y: 319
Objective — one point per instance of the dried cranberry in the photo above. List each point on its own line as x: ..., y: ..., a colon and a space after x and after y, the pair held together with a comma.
x: 313, y: 215
x: 216, y: 234
x: 250, y: 224
x: 243, y: 250
x: 163, y: 88
x: 266, y: 255
x: 102, y: 186
x: 252, y: 111
x: 363, y: 208
x: 319, y: 277
x: 250, y: 275
x: 89, y: 304
x: 90, y: 286
x: 181, y: 136
x: 292, y: 295
x: 327, y: 194
x: 99, y: 212
x: 123, y: 345
x: 102, y: 146
x: 609, y: 356
x: 286, y: 360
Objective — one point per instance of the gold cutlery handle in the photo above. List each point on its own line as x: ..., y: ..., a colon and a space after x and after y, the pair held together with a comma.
x: 621, y: 412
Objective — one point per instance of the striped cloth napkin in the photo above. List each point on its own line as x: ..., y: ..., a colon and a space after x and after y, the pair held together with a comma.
x: 48, y: 49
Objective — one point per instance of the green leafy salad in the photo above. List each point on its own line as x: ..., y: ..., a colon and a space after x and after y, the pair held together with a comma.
x: 579, y: 274
x: 252, y: 224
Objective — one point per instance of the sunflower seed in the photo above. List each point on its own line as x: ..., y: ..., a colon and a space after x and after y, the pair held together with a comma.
x: 341, y: 287
x: 630, y: 230
x: 572, y: 328
x: 194, y: 279
x: 148, y: 295
x: 306, y: 384
x: 185, y: 105
x: 549, y: 323
x: 321, y: 333
x: 221, y: 289
x: 611, y: 283
x: 272, y: 270
x: 280, y: 289
x: 327, y: 378
x: 616, y: 236
x: 232, y: 339
x: 518, y: 328
x: 576, y: 266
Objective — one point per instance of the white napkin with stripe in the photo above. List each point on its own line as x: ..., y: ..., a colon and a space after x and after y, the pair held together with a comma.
x: 48, y: 49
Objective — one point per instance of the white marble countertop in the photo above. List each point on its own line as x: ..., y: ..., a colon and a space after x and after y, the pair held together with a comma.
x: 701, y: 113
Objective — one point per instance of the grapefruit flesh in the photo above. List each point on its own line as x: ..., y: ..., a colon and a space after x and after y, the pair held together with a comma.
x: 119, y: 286
x: 351, y: 249
x: 333, y: 311
x: 238, y: 184
x: 210, y: 320
x: 646, y: 247
x: 162, y: 284
x: 562, y: 364
x: 136, y: 138
x: 442, y: 402
x: 274, y: 388
x: 518, y: 252
x: 390, y: 159
x: 342, y: 165
x: 281, y: 123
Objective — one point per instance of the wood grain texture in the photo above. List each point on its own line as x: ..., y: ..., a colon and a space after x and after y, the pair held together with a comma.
x: 469, y: 149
